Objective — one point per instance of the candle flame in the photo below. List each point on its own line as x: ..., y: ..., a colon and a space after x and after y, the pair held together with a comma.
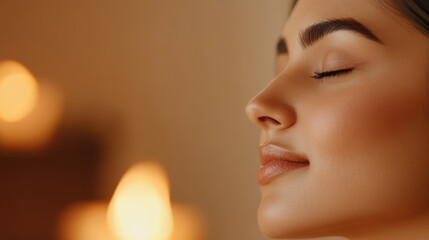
x: 18, y: 91
x: 140, y: 207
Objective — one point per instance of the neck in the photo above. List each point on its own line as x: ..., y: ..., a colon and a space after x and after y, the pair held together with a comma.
x: 407, y: 228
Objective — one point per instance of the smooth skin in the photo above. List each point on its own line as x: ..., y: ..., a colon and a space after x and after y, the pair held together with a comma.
x: 364, y: 132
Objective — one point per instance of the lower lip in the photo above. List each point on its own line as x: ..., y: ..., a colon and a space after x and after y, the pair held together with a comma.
x: 274, y: 168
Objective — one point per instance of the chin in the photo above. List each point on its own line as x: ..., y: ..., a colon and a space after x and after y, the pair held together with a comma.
x: 280, y: 221
x: 274, y: 223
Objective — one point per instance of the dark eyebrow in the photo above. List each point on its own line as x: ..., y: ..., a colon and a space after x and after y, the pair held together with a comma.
x: 319, y: 30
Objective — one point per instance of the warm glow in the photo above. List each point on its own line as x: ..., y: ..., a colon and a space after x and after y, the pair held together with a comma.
x: 188, y: 223
x: 18, y: 91
x: 140, y: 208
x: 35, y: 131
x: 84, y: 221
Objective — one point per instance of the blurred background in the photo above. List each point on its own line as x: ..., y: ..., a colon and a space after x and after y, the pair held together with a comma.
x: 120, y: 82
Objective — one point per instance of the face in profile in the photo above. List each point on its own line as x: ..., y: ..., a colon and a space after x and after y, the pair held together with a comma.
x: 344, y: 140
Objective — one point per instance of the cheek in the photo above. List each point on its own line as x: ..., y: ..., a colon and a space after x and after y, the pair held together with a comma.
x: 355, y: 121
x: 376, y: 144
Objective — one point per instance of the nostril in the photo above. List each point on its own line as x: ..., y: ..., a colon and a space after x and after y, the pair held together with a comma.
x: 268, y: 121
x: 268, y: 113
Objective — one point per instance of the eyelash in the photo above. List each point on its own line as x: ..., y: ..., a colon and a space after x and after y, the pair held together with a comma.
x: 328, y: 74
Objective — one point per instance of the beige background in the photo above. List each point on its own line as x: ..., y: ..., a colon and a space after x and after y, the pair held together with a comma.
x: 165, y: 80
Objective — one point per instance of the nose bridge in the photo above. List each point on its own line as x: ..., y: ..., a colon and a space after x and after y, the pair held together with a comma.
x: 272, y: 107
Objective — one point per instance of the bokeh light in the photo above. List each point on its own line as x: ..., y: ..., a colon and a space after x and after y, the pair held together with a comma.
x: 18, y: 91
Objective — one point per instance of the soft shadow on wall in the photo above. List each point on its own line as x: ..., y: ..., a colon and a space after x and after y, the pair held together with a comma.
x: 142, y: 80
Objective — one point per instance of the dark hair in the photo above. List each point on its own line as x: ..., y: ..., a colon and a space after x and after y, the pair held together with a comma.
x: 415, y: 11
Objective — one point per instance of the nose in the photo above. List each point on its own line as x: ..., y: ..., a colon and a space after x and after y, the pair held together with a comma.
x: 270, y: 112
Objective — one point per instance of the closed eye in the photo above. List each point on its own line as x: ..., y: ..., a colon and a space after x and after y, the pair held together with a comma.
x: 328, y: 74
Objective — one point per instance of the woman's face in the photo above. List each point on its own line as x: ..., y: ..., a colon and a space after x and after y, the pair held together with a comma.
x: 350, y: 96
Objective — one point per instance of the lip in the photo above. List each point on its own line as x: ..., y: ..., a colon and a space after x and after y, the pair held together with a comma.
x: 276, y: 161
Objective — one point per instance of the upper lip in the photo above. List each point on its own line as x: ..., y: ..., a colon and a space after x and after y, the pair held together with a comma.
x: 270, y: 152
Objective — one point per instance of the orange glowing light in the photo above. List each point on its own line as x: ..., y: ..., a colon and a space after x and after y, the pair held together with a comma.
x: 18, y: 91
x: 140, y: 207
x: 34, y: 131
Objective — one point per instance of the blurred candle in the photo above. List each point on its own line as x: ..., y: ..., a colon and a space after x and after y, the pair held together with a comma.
x: 29, y: 112
x: 140, y: 207
x: 18, y: 91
